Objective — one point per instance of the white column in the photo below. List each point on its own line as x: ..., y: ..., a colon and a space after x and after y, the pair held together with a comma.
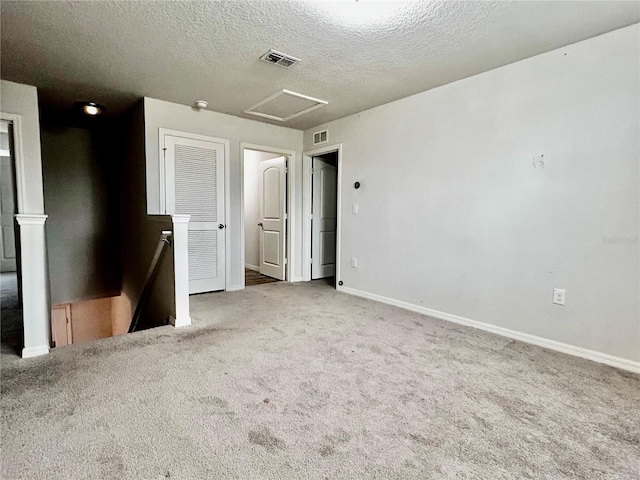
x: 35, y: 305
x: 181, y: 268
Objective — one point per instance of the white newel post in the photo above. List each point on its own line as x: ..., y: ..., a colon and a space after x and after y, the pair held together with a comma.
x: 181, y: 268
x: 35, y: 308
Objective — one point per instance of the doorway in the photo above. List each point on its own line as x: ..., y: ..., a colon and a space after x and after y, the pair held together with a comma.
x: 195, y: 178
x: 322, y: 182
x: 11, y: 321
x: 266, y: 214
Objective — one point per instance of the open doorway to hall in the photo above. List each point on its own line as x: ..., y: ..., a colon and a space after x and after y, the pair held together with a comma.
x: 266, y: 189
x: 323, y: 217
x: 11, y: 321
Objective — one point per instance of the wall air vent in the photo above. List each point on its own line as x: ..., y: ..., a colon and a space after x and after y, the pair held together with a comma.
x: 320, y: 137
x: 279, y: 58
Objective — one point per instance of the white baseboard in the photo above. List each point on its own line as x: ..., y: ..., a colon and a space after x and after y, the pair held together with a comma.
x: 234, y: 288
x: 28, y: 352
x: 251, y: 267
x: 297, y: 279
x: 593, y: 355
x: 182, y: 322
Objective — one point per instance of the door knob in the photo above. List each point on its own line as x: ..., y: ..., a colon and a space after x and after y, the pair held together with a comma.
x: 221, y: 226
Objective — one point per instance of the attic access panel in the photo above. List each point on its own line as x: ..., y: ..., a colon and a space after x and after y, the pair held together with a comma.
x: 285, y: 105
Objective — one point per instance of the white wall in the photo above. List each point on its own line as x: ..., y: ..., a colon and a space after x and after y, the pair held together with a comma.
x: 456, y: 218
x: 160, y: 114
x: 23, y: 100
x: 252, y: 159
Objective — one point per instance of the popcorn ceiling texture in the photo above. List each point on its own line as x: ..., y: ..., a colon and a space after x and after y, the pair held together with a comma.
x: 297, y: 381
x: 356, y: 55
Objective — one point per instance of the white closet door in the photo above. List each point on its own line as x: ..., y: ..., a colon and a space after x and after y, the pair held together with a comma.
x: 194, y: 172
x: 325, y: 213
x: 7, y: 222
x: 273, y: 198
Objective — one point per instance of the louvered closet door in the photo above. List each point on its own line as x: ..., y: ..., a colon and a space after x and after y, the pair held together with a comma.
x: 194, y: 171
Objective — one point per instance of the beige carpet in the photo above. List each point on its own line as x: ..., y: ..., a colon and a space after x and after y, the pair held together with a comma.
x: 298, y: 381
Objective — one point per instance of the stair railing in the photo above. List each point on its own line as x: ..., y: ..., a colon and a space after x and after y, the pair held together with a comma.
x: 151, y: 275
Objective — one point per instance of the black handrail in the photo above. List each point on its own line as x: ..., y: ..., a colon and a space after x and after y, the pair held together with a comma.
x: 151, y: 275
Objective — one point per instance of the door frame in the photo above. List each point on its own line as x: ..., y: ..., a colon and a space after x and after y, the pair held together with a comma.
x: 306, y: 209
x: 290, y: 224
x: 33, y: 276
x: 227, y: 188
x: 18, y: 160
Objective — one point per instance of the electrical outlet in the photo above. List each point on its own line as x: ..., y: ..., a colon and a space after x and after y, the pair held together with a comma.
x: 558, y: 296
x: 354, y: 208
x: 354, y: 262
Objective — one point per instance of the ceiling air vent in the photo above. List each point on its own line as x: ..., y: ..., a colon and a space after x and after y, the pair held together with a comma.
x: 279, y: 58
x: 320, y: 137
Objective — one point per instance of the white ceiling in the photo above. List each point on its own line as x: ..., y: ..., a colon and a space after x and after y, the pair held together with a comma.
x: 356, y: 55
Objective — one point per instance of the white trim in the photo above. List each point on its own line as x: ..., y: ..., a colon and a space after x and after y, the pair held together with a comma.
x: 18, y: 158
x: 33, y: 254
x: 593, y: 355
x: 252, y: 267
x: 31, y: 219
x: 291, y: 191
x: 306, y: 213
x: 180, y: 225
x: 180, y: 218
x: 227, y: 213
x: 29, y: 352
x: 5, y: 152
x: 185, y: 322
x: 235, y: 288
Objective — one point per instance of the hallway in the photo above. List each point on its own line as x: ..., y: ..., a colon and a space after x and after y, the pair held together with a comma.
x: 10, y: 315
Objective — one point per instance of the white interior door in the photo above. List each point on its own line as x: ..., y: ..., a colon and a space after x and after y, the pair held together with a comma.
x: 7, y: 211
x: 194, y: 171
x: 324, y: 218
x: 273, y: 217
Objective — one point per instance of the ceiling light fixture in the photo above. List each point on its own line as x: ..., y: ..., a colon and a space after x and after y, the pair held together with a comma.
x: 91, y: 109
x: 200, y: 104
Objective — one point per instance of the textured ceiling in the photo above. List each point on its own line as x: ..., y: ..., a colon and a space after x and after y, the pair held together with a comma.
x: 356, y: 55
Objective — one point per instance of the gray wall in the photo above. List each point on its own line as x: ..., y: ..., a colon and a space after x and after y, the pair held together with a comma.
x: 139, y: 233
x: 79, y: 191
x: 460, y: 214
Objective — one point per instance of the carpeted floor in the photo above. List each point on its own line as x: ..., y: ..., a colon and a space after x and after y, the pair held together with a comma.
x: 301, y: 382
